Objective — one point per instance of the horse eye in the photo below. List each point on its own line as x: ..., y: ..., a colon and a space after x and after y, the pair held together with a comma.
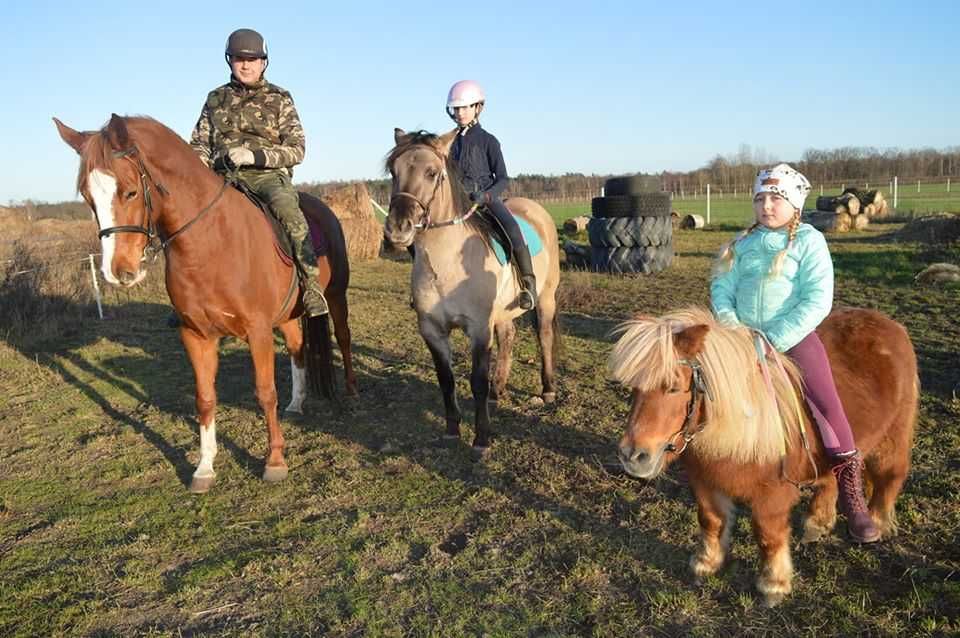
x: 130, y: 194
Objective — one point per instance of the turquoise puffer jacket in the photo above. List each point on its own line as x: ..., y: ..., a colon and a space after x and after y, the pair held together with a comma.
x: 785, y: 308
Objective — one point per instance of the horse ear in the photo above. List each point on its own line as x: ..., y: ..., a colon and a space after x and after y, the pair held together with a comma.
x: 117, y: 133
x: 689, y: 342
x: 75, y: 139
x: 400, y: 136
x: 445, y: 141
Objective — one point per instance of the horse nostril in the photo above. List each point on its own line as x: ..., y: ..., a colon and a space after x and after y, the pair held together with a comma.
x: 126, y: 277
x: 631, y: 454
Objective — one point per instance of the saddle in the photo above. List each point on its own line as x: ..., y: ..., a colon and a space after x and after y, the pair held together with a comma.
x: 500, y: 240
x: 282, y: 243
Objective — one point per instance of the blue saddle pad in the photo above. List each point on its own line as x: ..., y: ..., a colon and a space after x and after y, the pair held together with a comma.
x: 534, y: 243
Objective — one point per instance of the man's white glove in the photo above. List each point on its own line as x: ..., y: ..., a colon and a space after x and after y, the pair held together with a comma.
x: 240, y: 156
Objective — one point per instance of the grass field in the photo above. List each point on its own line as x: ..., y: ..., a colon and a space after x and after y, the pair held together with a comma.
x: 381, y: 530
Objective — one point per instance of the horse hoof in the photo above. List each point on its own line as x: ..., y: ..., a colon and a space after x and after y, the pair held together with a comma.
x: 481, y: 451
x: 201, y: 484
x: 291, y: 411
x: 812, y: 535
x: 549, y: 397
x: 275, y: 473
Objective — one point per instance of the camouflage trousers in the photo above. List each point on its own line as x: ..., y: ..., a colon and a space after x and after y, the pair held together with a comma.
x: 275, y: 188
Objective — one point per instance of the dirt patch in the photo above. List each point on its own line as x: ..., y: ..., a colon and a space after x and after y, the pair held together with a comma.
x: 941, y: 228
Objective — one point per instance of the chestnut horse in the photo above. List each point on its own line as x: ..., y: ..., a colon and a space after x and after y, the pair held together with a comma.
x: 458, y: 281
x: 223, y: 274
x: 697, y: 387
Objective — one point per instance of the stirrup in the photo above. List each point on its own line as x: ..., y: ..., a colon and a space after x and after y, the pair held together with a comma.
x: 314, y: 303
x: 526, y: 300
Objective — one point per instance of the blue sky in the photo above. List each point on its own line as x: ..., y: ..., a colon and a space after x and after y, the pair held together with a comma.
x: 592, y: 87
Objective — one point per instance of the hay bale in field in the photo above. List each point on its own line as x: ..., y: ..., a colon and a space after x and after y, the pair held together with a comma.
x: 361, y: 227
x: 860, y: 222
x: 692, y: 222
x: 827, y: 221
x: 852, y: 203
x: 575, y: 225
x: 939, y: 273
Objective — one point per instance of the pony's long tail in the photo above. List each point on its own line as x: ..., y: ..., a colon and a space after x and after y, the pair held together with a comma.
x: 318, y: 354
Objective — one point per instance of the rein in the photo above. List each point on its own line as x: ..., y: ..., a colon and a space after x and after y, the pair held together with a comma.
x: 427, y: 224
x: 149, y: 229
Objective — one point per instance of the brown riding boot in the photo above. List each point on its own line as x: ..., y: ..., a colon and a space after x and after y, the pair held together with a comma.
x: 849, y: 472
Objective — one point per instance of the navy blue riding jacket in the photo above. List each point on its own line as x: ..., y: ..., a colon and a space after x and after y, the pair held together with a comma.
x: 478, y: 155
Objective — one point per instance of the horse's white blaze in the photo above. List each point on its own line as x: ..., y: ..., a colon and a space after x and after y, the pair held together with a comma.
x: 208, y: 450
x: 102, y: 189
x: 299, y: 376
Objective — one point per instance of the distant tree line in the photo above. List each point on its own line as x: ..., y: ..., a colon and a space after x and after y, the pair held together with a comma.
x: 850, y: 164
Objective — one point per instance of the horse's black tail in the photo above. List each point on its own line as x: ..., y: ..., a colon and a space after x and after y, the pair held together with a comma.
x: 318, y: 354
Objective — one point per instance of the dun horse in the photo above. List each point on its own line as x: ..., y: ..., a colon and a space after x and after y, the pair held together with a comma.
x: 223, y: 274
x: 457, y: 280
x: 699, y: 395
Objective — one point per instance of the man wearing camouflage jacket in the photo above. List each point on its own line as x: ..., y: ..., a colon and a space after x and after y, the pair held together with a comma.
x: 252, y: 127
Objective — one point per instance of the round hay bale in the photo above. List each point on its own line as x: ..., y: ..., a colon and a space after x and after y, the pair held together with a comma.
x: 869, y: 210
x: 860, y: 222
x: 361, y: 227
x: 939, y: 273
x: 692, y: 222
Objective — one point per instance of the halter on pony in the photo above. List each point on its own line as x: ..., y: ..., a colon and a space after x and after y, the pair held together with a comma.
x: 427, y: 224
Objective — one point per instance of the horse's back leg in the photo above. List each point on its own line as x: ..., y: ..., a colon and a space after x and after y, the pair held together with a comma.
x: 480, y: 385
x: 506, y: 332
x: 438, y: 342
x: 822, y: 514
x: 293, y: 337
x: 202, y: 352
x: 261, y: 348
x: 337, y: 300
x: 887, y: 465
x: 548, y: 336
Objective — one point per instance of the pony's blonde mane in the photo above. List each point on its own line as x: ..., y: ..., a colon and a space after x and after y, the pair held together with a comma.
x: 743, y: 423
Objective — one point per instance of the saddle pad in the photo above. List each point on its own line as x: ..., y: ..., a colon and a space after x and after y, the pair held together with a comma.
x: 534, y: 243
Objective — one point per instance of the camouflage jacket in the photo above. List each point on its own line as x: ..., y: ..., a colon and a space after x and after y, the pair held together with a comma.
x: 261, y: 118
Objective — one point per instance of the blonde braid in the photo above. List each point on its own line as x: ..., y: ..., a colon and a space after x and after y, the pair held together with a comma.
x: 725, y: 259
x: 778, y: 260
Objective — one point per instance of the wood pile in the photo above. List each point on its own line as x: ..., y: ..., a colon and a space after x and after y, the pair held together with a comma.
x: 851, y: 210
x: 361, y: 226
x: 575, y: 225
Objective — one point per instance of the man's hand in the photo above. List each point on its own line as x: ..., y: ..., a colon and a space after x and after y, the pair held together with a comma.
x: 240, y: 156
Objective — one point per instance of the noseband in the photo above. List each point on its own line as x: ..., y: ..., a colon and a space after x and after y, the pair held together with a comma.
x: 426, y: 224
x: 698, y: 385
x: 149, y: 229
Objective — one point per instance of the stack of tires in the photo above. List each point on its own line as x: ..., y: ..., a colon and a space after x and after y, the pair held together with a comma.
x: 631, y: 230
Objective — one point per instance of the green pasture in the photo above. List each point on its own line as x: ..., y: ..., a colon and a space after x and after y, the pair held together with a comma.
x: 383, y: 529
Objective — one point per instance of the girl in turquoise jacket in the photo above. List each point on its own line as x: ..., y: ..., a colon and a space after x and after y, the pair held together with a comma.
x: 777, y: 278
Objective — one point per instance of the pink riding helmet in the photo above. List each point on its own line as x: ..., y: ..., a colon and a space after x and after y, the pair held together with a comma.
x: 464, y: 93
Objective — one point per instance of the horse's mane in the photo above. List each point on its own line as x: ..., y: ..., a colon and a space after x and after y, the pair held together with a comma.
x: 742, y: 421
x: 461, y: 199
x: 97, y: 153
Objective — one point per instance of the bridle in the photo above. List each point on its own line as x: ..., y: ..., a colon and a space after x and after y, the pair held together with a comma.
x: 150, y: 229
x: 426, y: 224
x: 698, y: 385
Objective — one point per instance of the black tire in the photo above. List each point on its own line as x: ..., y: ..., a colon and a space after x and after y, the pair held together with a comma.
x: 642, y: 205
x: 630, y: 261
x: 629, y: 232
x: 631, y: 185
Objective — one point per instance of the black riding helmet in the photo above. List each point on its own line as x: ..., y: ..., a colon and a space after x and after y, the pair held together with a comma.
x: 245, y: 43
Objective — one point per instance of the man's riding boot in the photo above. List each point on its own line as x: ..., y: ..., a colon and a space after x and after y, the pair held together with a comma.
x: 527, y: 298
x: 848, y: 469
x: 314, y: 303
